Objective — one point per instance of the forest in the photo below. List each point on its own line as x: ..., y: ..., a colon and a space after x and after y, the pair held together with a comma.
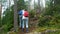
x: 44, y: 16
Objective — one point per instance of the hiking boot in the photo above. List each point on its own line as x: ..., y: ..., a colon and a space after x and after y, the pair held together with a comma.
x: 27, y: 30
x: 22, y: 29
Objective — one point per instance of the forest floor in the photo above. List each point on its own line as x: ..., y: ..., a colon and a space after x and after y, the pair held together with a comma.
x: 34, y: 29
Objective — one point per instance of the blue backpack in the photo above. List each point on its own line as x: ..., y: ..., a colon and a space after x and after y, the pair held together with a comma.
x: 20, y: 12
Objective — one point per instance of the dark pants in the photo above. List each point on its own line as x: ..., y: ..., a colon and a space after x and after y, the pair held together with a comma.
x: 20, y: 18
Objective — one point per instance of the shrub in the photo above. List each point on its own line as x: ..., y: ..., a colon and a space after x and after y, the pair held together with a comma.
x: 32, y: 13
x: 43, y: 21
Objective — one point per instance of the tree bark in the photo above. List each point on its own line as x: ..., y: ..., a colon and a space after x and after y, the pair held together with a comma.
x: 15, y: 16
x: 39, y: 8
x: 0, y: 11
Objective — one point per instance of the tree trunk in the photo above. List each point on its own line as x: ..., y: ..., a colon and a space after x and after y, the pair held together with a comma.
x: 34, y: 4
x: 15, y: 16
x: 0, y: 11
x: 39, y: 10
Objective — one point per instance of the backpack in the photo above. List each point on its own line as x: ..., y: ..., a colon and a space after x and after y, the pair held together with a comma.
x: 26, y: 13
x: 20, y: 12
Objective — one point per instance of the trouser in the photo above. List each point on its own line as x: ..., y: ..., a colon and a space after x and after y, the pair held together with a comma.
x: 25, y: 22
x: 20, y: 22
